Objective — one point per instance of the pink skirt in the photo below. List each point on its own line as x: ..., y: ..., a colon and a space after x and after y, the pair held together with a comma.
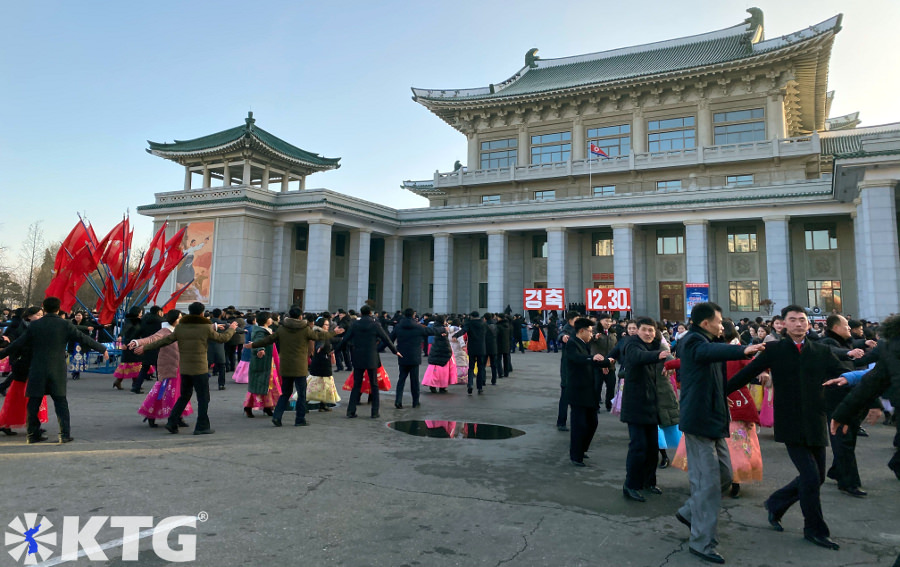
x: 162, y: 397
x: 127, y: 371
x: 267, y: 400
x: 14, y: 412
x: 440, y: 376
x: 241, y: 372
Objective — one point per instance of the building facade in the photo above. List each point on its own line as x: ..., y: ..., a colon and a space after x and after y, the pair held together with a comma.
x: 705, y: 159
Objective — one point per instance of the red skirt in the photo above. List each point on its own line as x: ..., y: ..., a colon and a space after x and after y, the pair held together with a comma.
x: 384, y: 382
x: 13, y: 415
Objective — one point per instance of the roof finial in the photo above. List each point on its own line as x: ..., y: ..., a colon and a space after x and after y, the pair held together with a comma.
x: 531, y: 58
x: 250, y: 120
x: 755, y: 22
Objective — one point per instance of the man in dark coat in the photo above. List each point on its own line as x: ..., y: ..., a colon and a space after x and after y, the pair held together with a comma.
x: 504, y: 345
x: 476, y: 331
x: 799, y: 367
x: 490, y: 345
x: 582, y: 392
x: 568, y: 332
x: 603, y: 342
x: 640, y: 354
x: 704, y: 419
x: 844, y: 468
x: 517, y: 323
x: 409, y: 337
x: 235, y: 344
x: 363, y: 337
x: 216, y: 350
x: 47, y: 338
x: 151, y: 323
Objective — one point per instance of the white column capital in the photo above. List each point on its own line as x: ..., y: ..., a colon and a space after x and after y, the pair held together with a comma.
x: 777, y: 218
x: 556, y: 229
x: 876, y: 183
x: 623, y: 225
x: 442, y: 235
x: 328, y: 222
x: 278, y: 224
x: 364, y: 229
x: 496, y: 232
x: 692, y: 222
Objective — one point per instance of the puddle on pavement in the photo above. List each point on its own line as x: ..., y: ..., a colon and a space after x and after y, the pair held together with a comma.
x: 455, y: 429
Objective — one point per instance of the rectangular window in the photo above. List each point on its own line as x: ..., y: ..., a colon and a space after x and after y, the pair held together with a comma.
x: 666, y: 245
x: 743, y: 296
x: 614, y: 140
x: 670, y: 185
x: 340, y: 244
x: 499, y: 153
x: 739, y: 126
x: 301, y: 238
x: 671, y: 134
x: 430, y: 295
x: 490, y: 199
x: 604, y: 190
x: 483, y: 248
x: 602, y: 244
x: 482, y: 296
x: 821, y: 237
x: 742, y: 240
x: 539, y: 246
x: 544, y: 195
x: 738, y: 180
x: 551, y: 148
x: 826, y: 294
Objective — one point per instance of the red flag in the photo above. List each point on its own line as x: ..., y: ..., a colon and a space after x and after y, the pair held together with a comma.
x: 106, y: 305
x: 170, y: 305
x: 77, y: 238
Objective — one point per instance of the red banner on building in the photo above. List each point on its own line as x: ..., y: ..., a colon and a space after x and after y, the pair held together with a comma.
x: 608, y: 299
x: 545, y: 299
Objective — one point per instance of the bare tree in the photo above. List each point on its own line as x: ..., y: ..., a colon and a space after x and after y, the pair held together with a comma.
x: 30, y: 257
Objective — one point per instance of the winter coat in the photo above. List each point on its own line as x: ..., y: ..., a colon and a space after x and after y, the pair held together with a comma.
x: 150, y: 324
x: 260, y: 367
x: 321, y: 364
x: 581, y: 388
x: 503, y: 336
x: 192, y: 335
x: 476, y: 329
x: 131, y: 331
x: 409, y: 336
x: 640, y: 402
x: 883, y: 380
x: 567, y: 331
x: 797, y: 378
x: 47, y: 338
x: 215, y: 352
x: 704, y: 407
x: 490, y: 339
x: 363, y: 338
x: 167, y: 359
x: 440, y: 352
x: 293, y: 336
x: 238, y: 338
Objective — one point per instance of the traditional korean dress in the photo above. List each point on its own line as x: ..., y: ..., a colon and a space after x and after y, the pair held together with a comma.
x: 13, y: 414
x: 538, y: 342
x: 320, y: 383
x: 441, y: 371
x: 264, y: 387
x: 165, y: 392
x: 460, y: 356
x: 130, y: 366
x: 241, y: 373
x: 384, y: 381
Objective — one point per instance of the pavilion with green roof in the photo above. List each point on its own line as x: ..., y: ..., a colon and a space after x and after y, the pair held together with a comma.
x: 245, y: 155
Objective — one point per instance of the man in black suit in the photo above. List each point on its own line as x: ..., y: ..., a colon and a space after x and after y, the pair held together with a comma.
x: 48, y: 338
x: 363, y: 337
x: 476, y: 330
x: 799, y: 367
x: 583, y: 396
x: 490, y: 346
x: 409, y: 336
x: 517, y: 323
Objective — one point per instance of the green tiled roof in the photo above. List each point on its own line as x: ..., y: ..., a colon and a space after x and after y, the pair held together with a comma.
x: 843, y: 143
x: 547, y: 75
x: 222, y: 141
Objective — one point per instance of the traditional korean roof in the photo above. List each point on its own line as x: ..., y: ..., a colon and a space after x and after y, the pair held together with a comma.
x: 845, y: 122
x: 248, y: 135
x: 848, y: 143
x: 710, y: 51
x: 423, y: 188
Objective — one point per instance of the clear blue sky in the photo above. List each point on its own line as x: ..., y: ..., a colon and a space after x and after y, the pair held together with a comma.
x: 85, y: 84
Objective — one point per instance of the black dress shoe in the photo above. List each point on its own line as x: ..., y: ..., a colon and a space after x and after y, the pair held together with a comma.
x: 416, y: 404
x: 299, y: 423
x: 562, y: 428
x: 442, y: 390
x: 66, y: 439
x: 861, y: 433
x: 139, y: 391
x: 7, y: 431
x: 633, y: 494
x: 854, y: 491
x: 822, y: 541
x: 351, y: 415
x: 221, y: 388
x: 664, y: 464
x: 682, y: 519
x: 182, y: 423
x: 376, y: 415
x: 578, y: 463
x: 432, y: 389
x: 204, y: 432
x: 774, y: 521
x: 470, y: 391
x: 712, y: 556
x: 33, y: 440
x: 276, y: 422
x: 480, y: 391
x: 398, y: 406
x: 654, y: 489
x: 171, y: 428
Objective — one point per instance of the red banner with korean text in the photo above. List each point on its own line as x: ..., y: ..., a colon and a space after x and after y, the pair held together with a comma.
x: 545, y: 299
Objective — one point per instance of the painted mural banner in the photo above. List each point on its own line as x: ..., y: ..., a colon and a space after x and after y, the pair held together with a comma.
x: 695, y: 293
x: 196, y: 268
x: 607, y: 299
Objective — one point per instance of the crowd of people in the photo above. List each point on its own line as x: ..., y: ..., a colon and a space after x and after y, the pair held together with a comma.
x: 700, y: 389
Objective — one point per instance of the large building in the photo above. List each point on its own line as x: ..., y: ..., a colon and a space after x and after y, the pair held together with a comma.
x: 717, y: 164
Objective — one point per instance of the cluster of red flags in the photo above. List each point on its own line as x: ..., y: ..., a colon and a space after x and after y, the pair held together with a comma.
x: 82, y: 254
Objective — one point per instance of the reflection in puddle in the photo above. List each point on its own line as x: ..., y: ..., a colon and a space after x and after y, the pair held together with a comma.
x: 455, y: 429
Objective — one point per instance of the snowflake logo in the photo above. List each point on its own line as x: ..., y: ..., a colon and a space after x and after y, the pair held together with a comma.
x: 30, y: 539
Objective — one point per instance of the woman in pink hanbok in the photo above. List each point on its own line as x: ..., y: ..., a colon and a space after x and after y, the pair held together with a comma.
x: 162, y: 397
x: 460, y: 355
x: 441, y: 371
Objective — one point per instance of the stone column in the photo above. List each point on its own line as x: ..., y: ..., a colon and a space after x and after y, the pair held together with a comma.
x: 775, y: 115
x: 285, y: 180
x: 704, y: 123
x: 302, y: 182
x: 318, y: 266
x: 523, y: 148
x: 187, y: 178
x: 265, y: 178
x: 623, y: 256
x: 358, y: 280
x: 882, y: 252
x: 638, y: 131
x: 443, y: 273
x: 207, y: 178
x: 393, y: 273
x: 579, y: 141
x: 226, y: 182
x: 474, y: 147
x: 556, y: 257
x: 696, y: 251
x: 245, y: 178
x: 861, y: 247
x: 281, y: 266
x: 496, y: 262
x: 778, y: 261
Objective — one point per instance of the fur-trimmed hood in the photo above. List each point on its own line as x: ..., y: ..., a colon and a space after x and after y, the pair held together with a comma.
x: 194, y: 320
